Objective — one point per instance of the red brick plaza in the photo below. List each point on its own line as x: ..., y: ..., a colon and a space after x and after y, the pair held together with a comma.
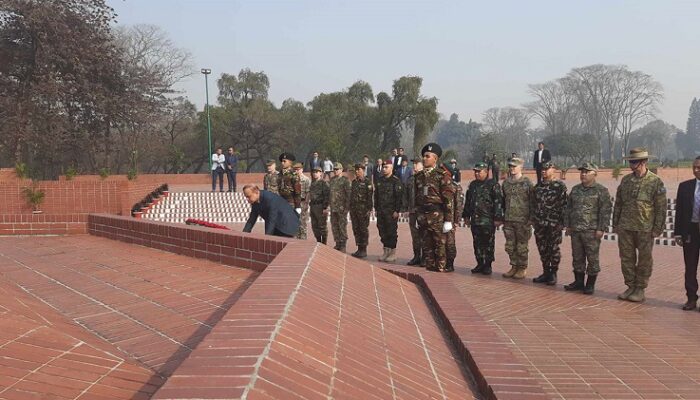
x: 137, y: 309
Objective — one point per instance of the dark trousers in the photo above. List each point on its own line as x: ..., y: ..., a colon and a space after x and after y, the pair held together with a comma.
x: 538, y: 171
x: 279, y: 233
x: 219, y: 172
x: 691, y: 250
x: 231, y: 176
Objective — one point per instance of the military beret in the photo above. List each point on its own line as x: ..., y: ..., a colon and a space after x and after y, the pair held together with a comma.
x: 287, y: 156
x: 548, y: 165
x: 588, y: 167
x: 480, y: 166
x: 337, y: 166
x: 388, y: 161
x: 432, y: 148
x: 270, y: 162
x: 359, y: 165
x: 515, y: 161
x: 298, y: 165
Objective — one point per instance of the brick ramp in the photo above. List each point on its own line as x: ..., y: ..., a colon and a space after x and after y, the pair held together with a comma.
x: 320, y: 324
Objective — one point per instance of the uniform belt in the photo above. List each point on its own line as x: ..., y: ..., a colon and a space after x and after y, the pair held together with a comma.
x: 428, y: 208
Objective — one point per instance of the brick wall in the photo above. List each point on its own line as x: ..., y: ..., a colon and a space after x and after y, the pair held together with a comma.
x: 223, y: 246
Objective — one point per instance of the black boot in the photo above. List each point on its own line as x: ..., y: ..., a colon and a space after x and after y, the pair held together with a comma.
x: 487, y: 268
x: 478, y: 269
x: 415, y: 260
x: 361, y: 252
x: 450, y: 265
x: 324, y: 239
x: 590, y: 284
x: 552, y: 277
x: 542, y: 278
x: 577, y: 284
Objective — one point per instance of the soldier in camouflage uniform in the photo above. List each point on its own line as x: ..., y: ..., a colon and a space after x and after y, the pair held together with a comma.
x: 434, y: 207
x: 483, y: 210
x: 549, y: 205
x: 586, y: 219
x: 361, y: 192
x: 289, y: 184
x: 320, y: 198
x: 340, y: 204
x: 451, y: 241
x: 639, y: 216
x: 410, y: 204
x: 271, y: 179
x: 388, y: 203
x: 517, y: 201
x: 305, y: 183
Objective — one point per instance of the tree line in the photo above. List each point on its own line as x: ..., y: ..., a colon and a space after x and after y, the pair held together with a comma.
x: 80, y: 93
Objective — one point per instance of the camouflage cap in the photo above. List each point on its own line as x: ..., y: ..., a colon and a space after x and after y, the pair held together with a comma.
x: 317, y: 169
x: 588, y: 167
x: 270, y: 162
x: 480, y: 166
x: 515, y: 161
x: 548, y: 165
x: 359, y: 166
x: 337, y: 165
x: 298, y: 165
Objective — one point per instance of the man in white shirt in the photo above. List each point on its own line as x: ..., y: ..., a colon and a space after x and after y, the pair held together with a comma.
x: 218, y: 168
x: 327, y: 168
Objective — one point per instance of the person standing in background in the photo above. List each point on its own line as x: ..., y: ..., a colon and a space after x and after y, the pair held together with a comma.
x: 541, y: 156
x: 218, y: 169
x: 271, y: 179
x: 231, y: 168
x: 320, y: 197
x: 687, y: 234
x: 327, y: 168
x: 377, y: 171
x: 305, y: 186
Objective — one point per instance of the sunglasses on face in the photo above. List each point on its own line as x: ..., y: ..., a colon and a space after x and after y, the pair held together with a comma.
x: 634, y: 162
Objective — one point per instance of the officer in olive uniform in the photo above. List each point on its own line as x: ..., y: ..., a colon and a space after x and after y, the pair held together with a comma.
x: 517, y: 200
x: 410, y: 204
x: 388, y: 202
x: 361, y: 192
x: 271, y: 179
x: 638, y: 217
x: 340, y: 204
x: 451, y: 243
x: 586, y: 219
x: 289, y: 184
x: 320, y: 198
x: 434, y: 207
x: 305, y: 183
x: 483, y: 211
x: 549, y: 206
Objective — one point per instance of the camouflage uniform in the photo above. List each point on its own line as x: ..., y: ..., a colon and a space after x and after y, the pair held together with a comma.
x: 360, y: 207
x: 388, y: 199
x: 340, y: 203
x: 305, y: 183
x: 517, y: 195
x: 410, y: 204
x: 587, y: 211
x: 271, y: 182
x: 549, y: 205
x: 451, y: 242
x: 483, y: 206
x: 434, y: 206
x: 320, y: 197
x: 289, y: 186
x: 639, y: 216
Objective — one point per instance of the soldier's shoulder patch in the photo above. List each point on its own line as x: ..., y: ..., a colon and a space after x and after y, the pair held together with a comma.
x: 662, y: 189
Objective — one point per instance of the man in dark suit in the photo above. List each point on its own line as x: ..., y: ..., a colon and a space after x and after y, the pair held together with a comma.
x: 541, y: 156
x: 398, y: 160
x: 687, y: 234
x: 313, y: 162
x: 280, y: 218
x: 377, y: 170
x: 231, y: 168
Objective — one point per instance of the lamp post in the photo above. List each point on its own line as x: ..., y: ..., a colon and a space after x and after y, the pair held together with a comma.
x: 206, y: 72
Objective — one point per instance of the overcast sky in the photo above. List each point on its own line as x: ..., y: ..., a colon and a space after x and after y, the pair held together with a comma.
x: 471, y: 55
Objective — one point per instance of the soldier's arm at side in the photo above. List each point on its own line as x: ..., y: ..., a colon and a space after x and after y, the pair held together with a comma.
x: 659, y: 210
x: 563, y: 198
x: 604, y: 210
x: 447, y: 194
x: 617, y: 207
x: 348, y: 194
x: 398, y: 197
x: 498, y: 204
x: 296, y: 193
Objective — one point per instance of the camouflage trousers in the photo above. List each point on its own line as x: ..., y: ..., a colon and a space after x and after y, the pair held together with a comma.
x: 319, y: 223
x: 585, y: 247
x: 484, y: 237
x: 416, y: 237
x: 303, y: 223
x: 388, y: 227
x: 339, y: 225
x: 451, y: 244
x: 434, y: 257
x: 636, y: 256
x: 360, y: 226
x: 517, y: 237
x: 548, y: 239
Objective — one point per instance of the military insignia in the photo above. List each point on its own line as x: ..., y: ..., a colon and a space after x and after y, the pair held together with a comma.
x: 662, y: 190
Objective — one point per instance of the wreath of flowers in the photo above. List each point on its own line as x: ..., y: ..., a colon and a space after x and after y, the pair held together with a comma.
x: 192, y: 221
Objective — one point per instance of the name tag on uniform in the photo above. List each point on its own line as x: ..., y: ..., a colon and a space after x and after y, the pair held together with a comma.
x: 425, y: 190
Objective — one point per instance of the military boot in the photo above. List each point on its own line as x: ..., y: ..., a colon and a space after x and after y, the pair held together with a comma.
x: 477, y: 270
x: 590, y: 284
x: 544, y: 277
x: 361, y: 252
x: 341, y: 247
x: 391, y: 256
x: 337, y: 246
x: 552, y: 277
x: 577, y: 284
x: 324, y: 239
x: 513, y: 270
x: 626, y: 293
x: 520, y: 273
x: 637, y: 296
x: 450, y: 264
x: 384, y: 255
x: 487, y: 268
x: 415, y: 260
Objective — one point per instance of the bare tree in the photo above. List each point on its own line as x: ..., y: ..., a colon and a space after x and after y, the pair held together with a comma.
x: 510, y: 123
x: 557, y: 106
x: 640, y: 95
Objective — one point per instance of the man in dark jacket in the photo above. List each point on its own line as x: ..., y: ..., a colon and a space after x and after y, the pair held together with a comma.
x: 540, y: 157
x: 231, y: 169
x: 280, y: 218
x: 686, y: 232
